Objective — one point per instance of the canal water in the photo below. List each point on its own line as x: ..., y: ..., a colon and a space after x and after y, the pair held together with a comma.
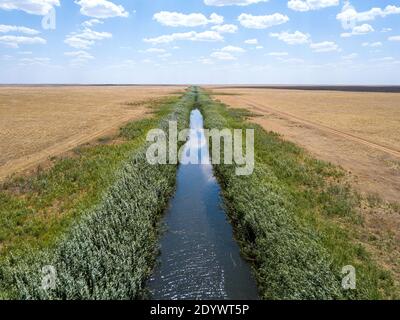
x: 199, y: 256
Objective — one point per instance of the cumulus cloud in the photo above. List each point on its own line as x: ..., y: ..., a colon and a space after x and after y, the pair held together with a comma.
x: 86, y: 38
x: 16, y: 41
x: 78, y: 43
x: 176, y: 19
x: 34, y: 61
x: 225, y: 28
x: 232, y: 49
x: 251, y: 41
x: 227, y: 53
x: 278, y: 54
x: 308, y: 5
x: 372, y: 44
x: 292, y: 38
x: 90, y: 23
x: 155, y: 50
x: 7, y: 28
x: 101, y: 9
x: 189, y: 36
x: 79, y: 56
x: 394, y: 38
x: 350, y: 56
x: 325, y: 46
x: 350, y: 14
x: 358, y: 30
x: 221, y: 3
x: 262, y: 22
x: 291, y: 60
x: 223, y: 55
x: 37, y: 7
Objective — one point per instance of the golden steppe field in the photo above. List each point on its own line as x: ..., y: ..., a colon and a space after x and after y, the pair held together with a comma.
x: 40, y: 122
x: 359, y: 131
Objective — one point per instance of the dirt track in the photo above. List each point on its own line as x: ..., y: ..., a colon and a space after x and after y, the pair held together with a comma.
x: 340, y: 133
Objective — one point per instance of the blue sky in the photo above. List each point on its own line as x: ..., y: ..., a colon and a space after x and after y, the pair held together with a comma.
x: 200, y: 41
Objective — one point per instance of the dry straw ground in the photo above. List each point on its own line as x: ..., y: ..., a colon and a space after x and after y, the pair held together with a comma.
x: 39, y: 122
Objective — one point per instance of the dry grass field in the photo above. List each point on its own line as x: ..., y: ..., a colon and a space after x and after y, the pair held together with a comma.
x: 39, y: 122
x: 356, y: 130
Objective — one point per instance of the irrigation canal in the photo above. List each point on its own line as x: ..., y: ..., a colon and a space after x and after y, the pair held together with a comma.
x: 199, y: 256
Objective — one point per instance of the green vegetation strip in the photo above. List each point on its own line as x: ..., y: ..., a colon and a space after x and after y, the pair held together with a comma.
x: 109, y: 252
x: 293, y: 218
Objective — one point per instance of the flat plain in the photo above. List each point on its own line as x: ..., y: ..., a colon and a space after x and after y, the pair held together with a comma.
x: 359, y: 131
x: 40, y: 122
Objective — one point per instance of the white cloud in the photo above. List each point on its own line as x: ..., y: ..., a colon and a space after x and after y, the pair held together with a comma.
x: 7, y: 28
x: 307, y: 5
x: 78, y: 43
x: 16, y: 41
x: 37, y: 7
x: 225, y: 28
x: 278, y: 54
x: 358, y: 30
x: 325, y: 46
x: 34, y: 61
x: 384, y: 59
x: 232, y: 49
x: 205, y: 61
x: 251, y: 41
x: 227, y: 53
x: 101, y: 9
x: 349, y: 13
x: 155, y: 50
x: 292, y: 38
x: 164, y: 55
x: 350, y: 56
x: 262, y: 22
x: 189, y: 36
x: 372, y: 44
x: 79, y: 55
x: 386, y: 30
x: 394, y: 38
x: 94, y: 35
x: 291, y: 60
x: 86, y: 38
x: 259, y: 47
x: 92, y: 22
x: 222, y: 3
x: 176, y: 19
x: 223, y: 55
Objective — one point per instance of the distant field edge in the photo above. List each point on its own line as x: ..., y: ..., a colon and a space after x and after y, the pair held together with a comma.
x: 350, y: 88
